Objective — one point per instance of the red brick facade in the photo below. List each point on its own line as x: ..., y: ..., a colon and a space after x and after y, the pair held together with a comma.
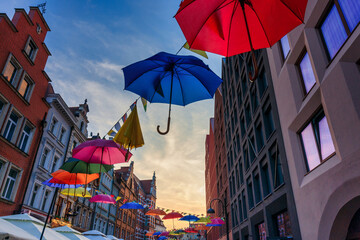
x: 23, y: 85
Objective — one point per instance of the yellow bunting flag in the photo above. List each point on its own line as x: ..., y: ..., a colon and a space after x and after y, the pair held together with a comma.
x: 200, y: 52
x: 144, y: 102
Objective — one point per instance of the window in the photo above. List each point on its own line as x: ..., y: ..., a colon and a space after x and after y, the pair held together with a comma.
x: 283, y: 224
x: 307, y: 73
x: 12, y: 70
x: 9, y: 188
x: 52, y: 126
x: 285, y: 48
x: 25, y: 139
x: 261, y: 231
x: 44, y: 156
x: 46, y: 197
x: 241, y: 216
x: 262, y: 83
x: 33, y: 195
x: 268, y: 121
x: 316, y: 140
x: 62, y: 135
x: 31, y: 49
x: 276, y: 169
x: 11, y: 126
x: 244, y: 204
x: 257, y: 190
x: 259, y: 137
x: 25, y: 87
x: 73, y: 145
x: 265, y: 179
x: 56, y: 160
x: 250, y: 194
x: 341, y: 20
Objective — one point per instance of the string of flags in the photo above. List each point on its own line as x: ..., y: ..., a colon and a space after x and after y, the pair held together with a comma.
x: 116, y: 127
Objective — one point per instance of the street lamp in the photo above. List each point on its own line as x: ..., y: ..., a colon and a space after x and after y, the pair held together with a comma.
x: 210, y: 211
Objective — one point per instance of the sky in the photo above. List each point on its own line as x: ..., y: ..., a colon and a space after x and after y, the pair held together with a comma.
x: 90, y: 42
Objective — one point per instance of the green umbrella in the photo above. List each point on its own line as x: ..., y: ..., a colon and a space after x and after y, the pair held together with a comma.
x: 74, y: 165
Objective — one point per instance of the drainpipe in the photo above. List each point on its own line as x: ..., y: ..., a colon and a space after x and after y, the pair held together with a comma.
x: 42, y: 126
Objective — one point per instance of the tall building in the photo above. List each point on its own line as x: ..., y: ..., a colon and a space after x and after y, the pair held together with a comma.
x: 261, y: 199
x: 53, y: 151
x: 23, y: 85
x: 316, y: 73
x: 210, y: 177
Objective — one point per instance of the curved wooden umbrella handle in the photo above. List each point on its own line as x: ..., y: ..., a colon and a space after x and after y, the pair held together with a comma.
x: 167, y: 129
x: 252, y: 77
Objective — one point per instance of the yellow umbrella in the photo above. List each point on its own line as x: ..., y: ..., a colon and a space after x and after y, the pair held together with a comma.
x: 130, y: 135
x: 76, y: 192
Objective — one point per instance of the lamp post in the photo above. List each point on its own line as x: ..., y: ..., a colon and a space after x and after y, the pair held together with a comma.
x: 210, y: 210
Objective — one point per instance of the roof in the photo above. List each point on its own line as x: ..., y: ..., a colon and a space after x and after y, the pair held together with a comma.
x: 146, y: 185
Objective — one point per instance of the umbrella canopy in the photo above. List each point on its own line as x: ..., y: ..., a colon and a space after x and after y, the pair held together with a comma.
x: 148, y: 234
x: 229, y: 27
x: 213, y: 225
x: 10, y: 231
x: 72, y: 178
x: 111, y: 237
x: 201, y: 227
x: 74, y: 165
x: 164, y: 234
x: 180, y: 231
x: 103, y: 198
x: 156, y: 233
x: 100, y: 151
x: 189, y: 218
x: 204, y: 220
x: 33, y: 226
x: 162, y: 238
x: 57, y: 184
x: 172, y: 215
x: 155, y: 212
x: 217, y: 221
x: 76, y: 192
x: 95, y: 235
x: 190, y: 230
x: 130, y: 136
x: 132, y: 205
x: 173, y: 79
x: 70, y: 233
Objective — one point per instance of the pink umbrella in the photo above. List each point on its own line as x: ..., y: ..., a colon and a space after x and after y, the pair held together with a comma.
x: 103, y: 198
x: 217, y: 221
x: 100, y: 151
x: 164, y: 234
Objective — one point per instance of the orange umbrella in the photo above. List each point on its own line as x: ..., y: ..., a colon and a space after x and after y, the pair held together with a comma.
x: 155, y: 212
x: 73, y: 178
x: 148, y: 234
x: 201, y: 227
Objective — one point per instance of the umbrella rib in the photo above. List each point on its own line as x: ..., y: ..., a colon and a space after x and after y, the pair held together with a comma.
x: 199, y: 81
x: 159, y: 82
x: 182, y: 91
x: 216, y: 9
x: 302, y: 21
x: 232, y: 15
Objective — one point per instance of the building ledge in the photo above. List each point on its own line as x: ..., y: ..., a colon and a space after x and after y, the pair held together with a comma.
x: 14, y: 90
x: 13, y: 146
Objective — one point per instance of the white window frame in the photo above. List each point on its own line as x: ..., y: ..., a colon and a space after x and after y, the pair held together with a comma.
x: 61, y: 135
x: 18, y: 124
x: 31, y: 135
x: 45, y: 202
x: 36, y: 49
x: 12, y: 60
x: 26, y: 77
x: 56, y: 155
x: 52, y: 128
x: 16, y: 184
x: 36, y: 184
x: 4, y: 110
x: 47, y: 156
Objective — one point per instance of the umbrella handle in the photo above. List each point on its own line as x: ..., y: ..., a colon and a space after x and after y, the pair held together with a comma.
x: 252, y: 77
x: 167, y: 129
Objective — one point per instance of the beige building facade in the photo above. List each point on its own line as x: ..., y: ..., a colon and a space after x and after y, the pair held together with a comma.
x: 316, y: 77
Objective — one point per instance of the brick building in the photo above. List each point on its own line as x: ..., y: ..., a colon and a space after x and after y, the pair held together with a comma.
x: 23, y: 85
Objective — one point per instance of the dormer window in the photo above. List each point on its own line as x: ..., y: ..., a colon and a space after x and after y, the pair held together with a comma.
x: 31, y: 49
x: 38, y: 28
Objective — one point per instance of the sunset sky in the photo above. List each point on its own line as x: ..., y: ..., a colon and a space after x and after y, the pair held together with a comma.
x: 90, y: 42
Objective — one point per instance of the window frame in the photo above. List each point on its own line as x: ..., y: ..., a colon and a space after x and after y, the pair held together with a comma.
x: 282, y: 53
x: 18, y: 126
x: 302, y: 81
x: 47, y: 156
x: 31, y: 84
x: 32, y: 56
x: 16, y: 183
x: 12, y: 60
x: 31, y: 135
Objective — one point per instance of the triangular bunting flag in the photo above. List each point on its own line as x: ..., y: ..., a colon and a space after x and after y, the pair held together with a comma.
x: 144, y: 102
x: 132, y: 106
x: 124, y: 117
x: 118, y: 198
x: 117, y: 126
x: 111, y: 132
x: 200, y: 52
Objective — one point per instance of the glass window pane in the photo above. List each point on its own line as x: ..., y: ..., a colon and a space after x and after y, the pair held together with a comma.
x: 285, y: 46
x: 24, y: 87
x: 310, y: 147
x: 351, y: 10
x: 10, y: 71
x: 333, y: 32
x: 307, y: 73
x: 326, y: 143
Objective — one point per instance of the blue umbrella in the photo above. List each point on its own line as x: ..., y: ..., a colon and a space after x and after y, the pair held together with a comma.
x: 132, y: 205
x: 59, y: 185
x: 156, y: 233
x: 189, y: 218
x: 173, y: 79
x: 213, y: 225
x: 162, y: 238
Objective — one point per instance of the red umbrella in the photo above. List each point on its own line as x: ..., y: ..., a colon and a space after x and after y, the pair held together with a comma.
x: 155, y: 212
x: 103, y: 198
x: 100, y: 151
x: 231, y: 27
x: 62, y: 176
x: 190, y: 230
x: 172, y: 215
